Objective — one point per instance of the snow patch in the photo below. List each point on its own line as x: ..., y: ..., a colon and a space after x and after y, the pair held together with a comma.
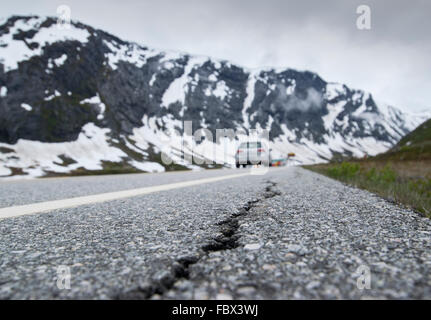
x: 12, y: 51
x: 212, y: 77
x: 333, y: 90
x: 170, y: 56
x: 3, y: 92
x: 168, y: 65
x: 131, y: 53
x: 26, y: 106
x: 4, y: 171
x: 60, y: 61
x: 56, y: 94
x: 148, y: 166
x: 88, y: 152
x: 221, y: 90
x: 178, y: 88
x: 333, y: 111
x: 152, y: 80
x: 217, y: 64
x: 96, y: 100
x: 291, y: 89
x: 249, y: 99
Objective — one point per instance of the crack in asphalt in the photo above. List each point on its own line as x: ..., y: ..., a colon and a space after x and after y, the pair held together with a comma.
x: 270, y: 190
x: 163, y: 282
x: 227, y: 240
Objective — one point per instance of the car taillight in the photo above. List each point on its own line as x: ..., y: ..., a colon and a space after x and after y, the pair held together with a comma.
x: 239, y: 151
x: 260, y: 150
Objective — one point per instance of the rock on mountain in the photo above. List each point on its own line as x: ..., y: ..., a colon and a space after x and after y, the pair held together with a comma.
x: 80, y: 99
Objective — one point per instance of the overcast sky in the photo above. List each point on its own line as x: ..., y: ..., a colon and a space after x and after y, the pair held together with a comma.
x: 392, y: 60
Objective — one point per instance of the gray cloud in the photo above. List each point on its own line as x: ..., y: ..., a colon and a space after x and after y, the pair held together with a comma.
x: 313, y: 100
x: 391, y: 60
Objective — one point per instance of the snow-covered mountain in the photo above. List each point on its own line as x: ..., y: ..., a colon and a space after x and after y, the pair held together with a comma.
x: 80, y: 99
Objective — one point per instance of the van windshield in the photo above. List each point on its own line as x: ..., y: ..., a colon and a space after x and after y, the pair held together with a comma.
x: 250, y: 145
x: 253, y: 145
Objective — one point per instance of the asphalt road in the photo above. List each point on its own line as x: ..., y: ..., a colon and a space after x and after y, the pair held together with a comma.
x: 288, y: 234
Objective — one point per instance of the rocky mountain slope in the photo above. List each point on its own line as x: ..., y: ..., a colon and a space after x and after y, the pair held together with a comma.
x: 81, y: 99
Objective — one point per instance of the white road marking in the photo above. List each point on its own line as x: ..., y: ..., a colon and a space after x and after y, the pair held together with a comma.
x: 102, y: 197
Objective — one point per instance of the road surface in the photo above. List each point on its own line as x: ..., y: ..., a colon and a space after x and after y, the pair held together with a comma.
x: 217, y: 234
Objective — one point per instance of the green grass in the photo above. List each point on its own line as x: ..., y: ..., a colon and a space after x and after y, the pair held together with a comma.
x: 420, y: 135
x: 414, y: 146
x: 108, y: 168
x: 392, y: 181
x: 5, y: 150
x: 402, y: 174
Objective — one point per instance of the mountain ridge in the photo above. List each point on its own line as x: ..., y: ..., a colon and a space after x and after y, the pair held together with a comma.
x: 82, y: 97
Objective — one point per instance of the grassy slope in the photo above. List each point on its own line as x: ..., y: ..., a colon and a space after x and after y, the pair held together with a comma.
x: 415, y: 146
x: 403, y: 174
